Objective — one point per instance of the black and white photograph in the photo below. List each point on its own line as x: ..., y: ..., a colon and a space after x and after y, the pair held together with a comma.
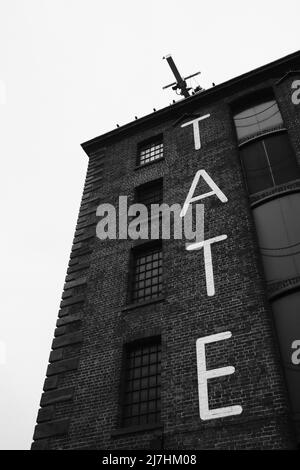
x: 150, y: 193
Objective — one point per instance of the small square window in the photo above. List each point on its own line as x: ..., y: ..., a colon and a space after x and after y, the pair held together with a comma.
x: 150, y: 151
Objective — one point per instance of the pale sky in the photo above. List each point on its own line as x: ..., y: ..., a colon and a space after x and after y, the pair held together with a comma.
x: 71, y: 70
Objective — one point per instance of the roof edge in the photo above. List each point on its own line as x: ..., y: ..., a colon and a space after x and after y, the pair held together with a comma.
x: 89, y: 145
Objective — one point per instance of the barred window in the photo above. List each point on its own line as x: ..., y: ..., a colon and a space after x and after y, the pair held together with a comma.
x: 141, y: 400
x: 147, y: 274
x: 150, y: 151
x: 150, y: 193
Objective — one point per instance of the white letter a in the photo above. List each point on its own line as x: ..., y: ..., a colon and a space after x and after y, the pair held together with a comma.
x: 215, y: 190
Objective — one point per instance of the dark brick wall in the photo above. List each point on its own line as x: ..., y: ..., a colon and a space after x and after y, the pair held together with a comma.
x: 83, y: 406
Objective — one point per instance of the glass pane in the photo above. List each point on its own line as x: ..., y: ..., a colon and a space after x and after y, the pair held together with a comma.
x: 282, y: 158
x: 278, y: 229
x: 256, y: 119
x: 143, y: 282
x: 140, y: 401
x: 150, y: 152
x: 256, y: 167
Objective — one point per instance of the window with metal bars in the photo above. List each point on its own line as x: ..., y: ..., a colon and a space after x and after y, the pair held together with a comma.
x: 142, y: 383
x: 150, y: 193
x: 150, y: 150
x: 146, y: 273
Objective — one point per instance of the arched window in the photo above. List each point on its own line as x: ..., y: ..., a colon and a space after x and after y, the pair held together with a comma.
x: 266, y: 154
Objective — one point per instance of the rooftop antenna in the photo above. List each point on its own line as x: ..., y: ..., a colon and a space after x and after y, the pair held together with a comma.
x: 180, y: 84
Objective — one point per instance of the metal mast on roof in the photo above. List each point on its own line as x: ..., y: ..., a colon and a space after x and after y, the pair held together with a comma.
x: 180, y: 84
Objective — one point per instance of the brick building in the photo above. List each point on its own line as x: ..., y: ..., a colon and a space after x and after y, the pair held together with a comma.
x: 129, y: 368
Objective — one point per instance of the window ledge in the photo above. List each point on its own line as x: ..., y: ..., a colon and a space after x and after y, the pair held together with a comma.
x: 280, y: 288
x: 273, y: 130
x: 138, y: 167
x: 143, y: 304
x: 274, y: 192
x: 135, y: 429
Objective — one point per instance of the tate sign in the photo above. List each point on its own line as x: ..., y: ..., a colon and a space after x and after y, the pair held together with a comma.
x: 202, y: 373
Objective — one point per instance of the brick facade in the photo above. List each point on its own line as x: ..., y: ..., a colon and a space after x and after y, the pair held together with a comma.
x: 80, y: 406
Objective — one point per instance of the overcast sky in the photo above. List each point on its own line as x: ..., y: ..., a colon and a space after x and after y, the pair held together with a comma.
x: 71, y: 70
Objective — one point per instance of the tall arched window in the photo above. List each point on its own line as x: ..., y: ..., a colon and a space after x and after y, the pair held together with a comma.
x: 266, y: 154
x: 268, y: 161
